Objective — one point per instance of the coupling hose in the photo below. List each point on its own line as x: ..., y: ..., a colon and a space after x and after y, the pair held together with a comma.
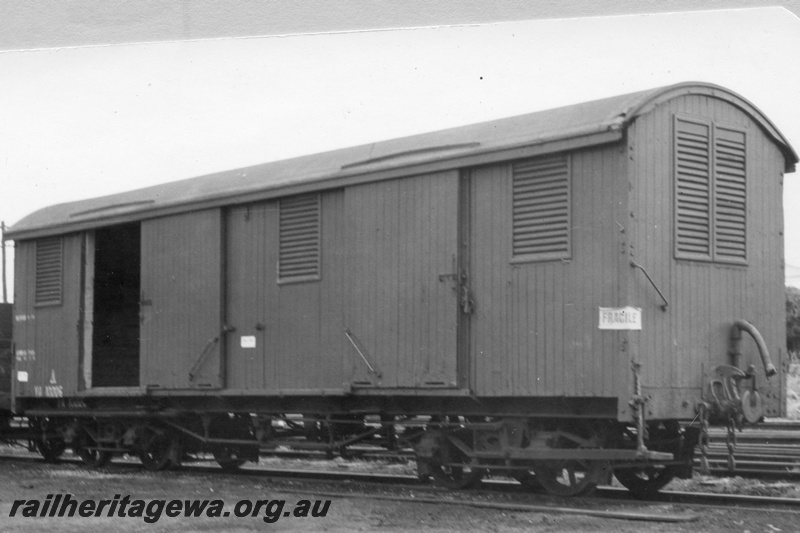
x: 736, y: 349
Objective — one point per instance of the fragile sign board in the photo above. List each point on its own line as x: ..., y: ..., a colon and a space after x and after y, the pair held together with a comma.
x: 620, y: 318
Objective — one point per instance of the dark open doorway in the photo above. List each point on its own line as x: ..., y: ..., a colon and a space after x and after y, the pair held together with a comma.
x: 115, y: 332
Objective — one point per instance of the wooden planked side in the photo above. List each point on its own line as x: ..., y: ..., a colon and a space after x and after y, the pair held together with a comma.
x: 401, y: 235
x: 330, y: 372
x: 63, y: 333
x: 534, y: 330
x: 46, y: 336
x: 248, y: 274
x: 23, y: 330
x: 297, y: 326
x: 297, y: 334
x: 308, y: 315
x: 182, y: 300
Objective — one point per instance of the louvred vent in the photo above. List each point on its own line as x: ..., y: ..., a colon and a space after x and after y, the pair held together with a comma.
x: 48, y: 271
x: 693, y: 189
x: 299, y: 253
x: 541, y: 209
x: 710, y: 192
x: 730, y: 208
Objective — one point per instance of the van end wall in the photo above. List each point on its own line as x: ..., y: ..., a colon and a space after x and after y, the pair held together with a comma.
x: 679, y: 346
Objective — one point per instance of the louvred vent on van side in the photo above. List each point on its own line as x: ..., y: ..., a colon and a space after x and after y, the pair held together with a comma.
x: 730, y: 207
x: 693, y: 189
x: 299, y: 251
x: 49, y: 265
x: 541, y: 209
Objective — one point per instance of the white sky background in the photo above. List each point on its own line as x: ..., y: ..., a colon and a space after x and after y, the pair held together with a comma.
x: 82, y: 122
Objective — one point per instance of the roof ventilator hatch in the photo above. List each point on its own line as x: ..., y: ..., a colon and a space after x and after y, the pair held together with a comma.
x: 441, y: 149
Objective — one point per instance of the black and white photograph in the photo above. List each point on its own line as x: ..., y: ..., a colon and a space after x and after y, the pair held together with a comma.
x: 399, y: 266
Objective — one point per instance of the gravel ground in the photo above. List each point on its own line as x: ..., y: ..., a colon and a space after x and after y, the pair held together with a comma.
x: 29, y: 481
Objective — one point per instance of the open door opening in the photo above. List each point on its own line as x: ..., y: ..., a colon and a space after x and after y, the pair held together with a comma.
x: 116, y: 289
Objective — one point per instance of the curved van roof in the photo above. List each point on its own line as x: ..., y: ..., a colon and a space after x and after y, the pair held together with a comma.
x: 569, y: 127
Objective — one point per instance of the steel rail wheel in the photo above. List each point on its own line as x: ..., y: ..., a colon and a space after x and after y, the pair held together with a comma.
x: 156, y: 450
x: 527, y: 479
x: 93, y: 458
x: 232, y: 426
x: 228, y: 459
x: 50, y: 449
x: 644, y: 482
x: 569, y: 478
x: 85, y: 449
x: 452, y: 469
x: 461, y: 476
x: 445, y: 462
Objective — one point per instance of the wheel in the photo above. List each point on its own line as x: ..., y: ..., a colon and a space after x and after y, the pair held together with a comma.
x: 93, y: 458
x: 569, y: 478
x: 644, y: 482
x: 83, y: 448
x: 51, y: 449
x: 457, y: 477
x: 233, y: 426
x: 452, y: 469
x: 527, y: 479
x: 438, y: 457
x: 228, y: 459
x: 49, y: 446
x: 156, y: 450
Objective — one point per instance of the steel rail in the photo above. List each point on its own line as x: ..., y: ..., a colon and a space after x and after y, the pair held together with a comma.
x: 770, y: 450
x: 488, y: 486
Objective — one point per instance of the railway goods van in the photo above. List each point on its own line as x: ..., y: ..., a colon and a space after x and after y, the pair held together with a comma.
x: 558, y: 296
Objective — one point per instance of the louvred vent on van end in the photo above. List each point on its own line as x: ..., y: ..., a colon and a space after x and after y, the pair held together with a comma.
x: 693, y: 189
x: 299, y: 251
x: 730, y: 207
x: 49, y: 264
x: 541, y: 209
x: 710, y: 192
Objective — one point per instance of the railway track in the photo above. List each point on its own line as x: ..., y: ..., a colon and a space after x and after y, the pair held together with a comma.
x: 496, y: 493
x: 771, y: 450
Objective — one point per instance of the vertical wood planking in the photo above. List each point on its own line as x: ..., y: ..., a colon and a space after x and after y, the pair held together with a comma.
x: 271, y: 300
x: 534, y: 329
x: 300, y: 344
x: 332, y: 339
x: 51, y: 336
x: 502, y: 348
x: 387, y: 275
x: 705, y: 297
x: 246, y: 276
x: 23, y: 307
x: 298, y: 335
x: 403, y: 235
x: 181, y: 275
